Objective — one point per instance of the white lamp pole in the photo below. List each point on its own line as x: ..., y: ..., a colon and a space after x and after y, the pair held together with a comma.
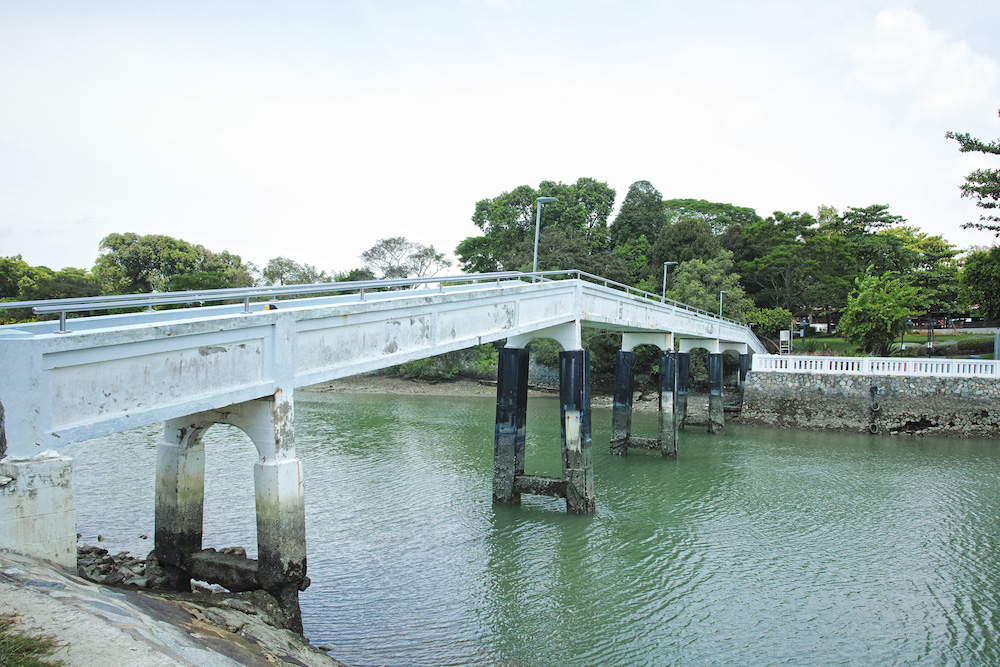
x: 721, y: 292
x: 663, y: 294
x: 538, y: 223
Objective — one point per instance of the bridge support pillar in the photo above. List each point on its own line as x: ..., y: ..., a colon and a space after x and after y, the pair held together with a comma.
x: 180, y: 498
x: 716, y: 412
x: 744, y: 369
x: 621, y: 412
x: 577, y: 459
x: 280, y: 568
x: 512, y: 407
x: 668, y: 405
x: 683, y: 367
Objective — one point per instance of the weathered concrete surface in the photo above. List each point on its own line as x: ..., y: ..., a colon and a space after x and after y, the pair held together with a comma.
x: 968, y: 407
x: 37, y: 508
x: 101, y: 625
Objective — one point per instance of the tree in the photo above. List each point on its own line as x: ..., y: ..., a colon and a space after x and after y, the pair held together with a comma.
x: 12, y: 270
x: 284, y: 271
x: 699, y: 282
x: 687, y: 238
x: 877, y: 311
x: 982, y: 185
x: 507, y: 222
x: 981, y: 278
x: 397, y: 257
x: 130, y: 263
x: 641, y: 214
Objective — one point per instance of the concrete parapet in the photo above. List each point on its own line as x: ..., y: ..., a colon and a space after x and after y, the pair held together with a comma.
x: 37, y: 508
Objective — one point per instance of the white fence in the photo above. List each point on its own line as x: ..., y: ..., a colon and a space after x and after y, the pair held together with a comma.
x: 906, y: 367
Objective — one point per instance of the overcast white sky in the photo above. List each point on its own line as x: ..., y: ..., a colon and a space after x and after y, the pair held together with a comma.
x: 312, y: 128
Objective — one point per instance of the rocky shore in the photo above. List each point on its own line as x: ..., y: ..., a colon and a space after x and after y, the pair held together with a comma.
x: 112, y: 612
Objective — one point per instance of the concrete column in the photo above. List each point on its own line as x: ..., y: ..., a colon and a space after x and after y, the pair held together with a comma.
x: 180, y: 498
x: 281, y: 517
x: 668, y: 405
x: 281, y: 534
x: 716, y: 414
x: 37, y: 508
x: 683, y: 361
x: 574, y: 396
x: 512, y: 406
x: 744, y: 369
x: 621, y: 412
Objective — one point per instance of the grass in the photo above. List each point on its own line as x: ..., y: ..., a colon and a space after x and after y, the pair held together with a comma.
x: 19, y: 649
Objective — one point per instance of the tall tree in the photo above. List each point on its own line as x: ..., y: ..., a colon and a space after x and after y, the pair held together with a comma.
x: 982, y: 185
x: 284, y: 271
x: 131, y: 263
x: 686, y: 238
x: 876, y: 312
x: 507, y: 222
x: 641, y: 214
x: 397, y: 257
x: 981, y: 278
x: 700, y: 283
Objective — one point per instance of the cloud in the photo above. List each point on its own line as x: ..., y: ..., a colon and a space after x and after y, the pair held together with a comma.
x: 901, y: 58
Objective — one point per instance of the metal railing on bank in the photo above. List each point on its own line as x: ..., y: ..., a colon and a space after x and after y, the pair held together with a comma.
x: 896, y: 366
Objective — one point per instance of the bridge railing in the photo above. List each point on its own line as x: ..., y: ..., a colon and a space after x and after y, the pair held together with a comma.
x: 905, y: 367
x: 634, y: 291
x: 149, y: 301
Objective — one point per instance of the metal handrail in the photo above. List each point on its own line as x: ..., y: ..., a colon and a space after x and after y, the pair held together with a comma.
x: 650, y: 296
x: 149, y: 300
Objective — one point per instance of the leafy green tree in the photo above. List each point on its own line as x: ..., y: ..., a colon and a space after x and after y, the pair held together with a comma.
x: 43, y: 283
x: 698, y: 283
x: 641, y: 214
x: 684, y: 239
x: 876, y: 312
x: 935, y: 269
x: 727, y: 220
x: 864, y: 230
x: 507, y: 223
x: 397, y: 257
x: 12, y: 270
x: 284, y: 271
x: 769, y: 321
x: 981, y: 278
x: 982, y: 185
x: 777, y: 269
x: 131, y: 263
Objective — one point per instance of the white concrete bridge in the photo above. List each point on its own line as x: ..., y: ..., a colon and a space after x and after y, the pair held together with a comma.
x: 73, y: 379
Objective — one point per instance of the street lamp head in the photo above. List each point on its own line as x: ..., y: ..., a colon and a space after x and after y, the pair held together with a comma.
x: 546, y: 200
x: 668, y: 263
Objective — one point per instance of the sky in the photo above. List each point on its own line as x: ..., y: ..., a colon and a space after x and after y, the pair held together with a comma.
x: 310, y: 129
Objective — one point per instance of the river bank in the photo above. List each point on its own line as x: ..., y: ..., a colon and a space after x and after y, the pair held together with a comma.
x: 376, y: 383
x: 98, y: 624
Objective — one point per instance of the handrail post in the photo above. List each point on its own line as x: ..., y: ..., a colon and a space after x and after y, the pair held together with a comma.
x: 246, y: 305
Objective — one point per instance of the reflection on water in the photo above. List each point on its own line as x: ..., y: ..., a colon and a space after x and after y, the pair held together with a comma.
x: 757, y: 547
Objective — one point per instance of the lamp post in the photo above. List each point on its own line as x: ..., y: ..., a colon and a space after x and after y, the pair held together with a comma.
x: 538, y: 223
x: 721, y: 292
x: 663, y: 294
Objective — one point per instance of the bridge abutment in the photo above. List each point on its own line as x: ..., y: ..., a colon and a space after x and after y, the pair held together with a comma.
x: 37, y: 507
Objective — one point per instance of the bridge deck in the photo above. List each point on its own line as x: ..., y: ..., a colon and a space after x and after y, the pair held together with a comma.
x: 116, y: 372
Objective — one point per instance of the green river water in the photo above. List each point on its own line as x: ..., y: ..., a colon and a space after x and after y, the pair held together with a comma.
x: 758, y: 547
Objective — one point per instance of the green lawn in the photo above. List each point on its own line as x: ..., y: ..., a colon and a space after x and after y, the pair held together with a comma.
x: 916, y: 345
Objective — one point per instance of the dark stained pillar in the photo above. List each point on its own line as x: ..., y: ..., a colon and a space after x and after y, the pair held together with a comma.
x: 668, y: 405
x: 621, y: 413
x: 683, y: 366
x: 180, y: 497
x: 512, y: 404
x: 744, y: 369
x: 574, y: 397
x: 716, y: 415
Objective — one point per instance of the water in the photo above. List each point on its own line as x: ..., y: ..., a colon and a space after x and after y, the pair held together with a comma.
x: 759, y: 547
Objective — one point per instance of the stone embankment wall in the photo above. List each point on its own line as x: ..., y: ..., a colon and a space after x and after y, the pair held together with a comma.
x: 968, y: 407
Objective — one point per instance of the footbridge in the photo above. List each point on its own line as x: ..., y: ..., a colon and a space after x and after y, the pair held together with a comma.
x: 189, y: 365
